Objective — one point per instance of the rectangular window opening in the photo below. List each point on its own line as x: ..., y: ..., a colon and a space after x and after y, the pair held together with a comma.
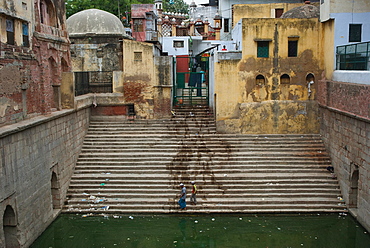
x: 26, y: 41
x: 226, y: 25
x: 10, y: 31
x: 262, y: 49
x: 178, y: 43
x: 355, y: 32
x: 278, y: 13
x: 138, y: 56
x: 292, y: 48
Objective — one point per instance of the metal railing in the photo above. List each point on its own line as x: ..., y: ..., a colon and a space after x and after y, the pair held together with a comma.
x: 191, y: 88
x: 354, y: 57
x: 93, y: 82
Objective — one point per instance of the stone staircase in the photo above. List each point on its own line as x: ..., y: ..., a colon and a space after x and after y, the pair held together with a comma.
x: 135, y: 166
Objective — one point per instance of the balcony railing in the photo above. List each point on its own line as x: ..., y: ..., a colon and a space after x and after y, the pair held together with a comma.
x: 354, y: 57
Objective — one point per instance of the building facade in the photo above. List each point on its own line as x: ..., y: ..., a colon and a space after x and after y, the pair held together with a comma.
x: 34, y: 59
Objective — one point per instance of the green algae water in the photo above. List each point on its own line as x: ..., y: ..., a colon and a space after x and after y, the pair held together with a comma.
x: 332, y: 231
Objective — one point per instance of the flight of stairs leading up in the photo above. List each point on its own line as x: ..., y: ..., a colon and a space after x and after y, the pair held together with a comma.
x: 136, y: 166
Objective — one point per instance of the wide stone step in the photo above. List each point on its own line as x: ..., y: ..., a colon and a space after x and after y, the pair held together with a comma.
x: 215, y: 149
x: 200, y: 170
x: 213, y: 163
x: 259, y: 182
x: 160, y: 143
x: 191, y: 166
x: 216, y: 207
x: 209, y: 176
x: 115, y: 190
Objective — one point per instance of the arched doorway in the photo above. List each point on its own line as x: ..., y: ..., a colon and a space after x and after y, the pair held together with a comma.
x: 353, y: 192
x: 10, y: 228
x: 55, y: 192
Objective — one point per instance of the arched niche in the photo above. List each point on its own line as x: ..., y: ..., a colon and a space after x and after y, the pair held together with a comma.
x: 55, y: 191
x: 260, y: 80
x: 284, y: 79
x: 10, y: 227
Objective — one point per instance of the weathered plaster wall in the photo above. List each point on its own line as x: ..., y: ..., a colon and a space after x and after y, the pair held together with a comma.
x: 162, y: 93
x: 30, y: 152
x: 261, y: 10
x: 31, y: 73
x: 247, y: 105
x: 345, y: 128
x: 90, y: 54
x: 328, y: 48
x: 139, y: 79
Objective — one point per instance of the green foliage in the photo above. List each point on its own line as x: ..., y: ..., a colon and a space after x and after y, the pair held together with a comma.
x: 178, y: 6
x: 120, y: 8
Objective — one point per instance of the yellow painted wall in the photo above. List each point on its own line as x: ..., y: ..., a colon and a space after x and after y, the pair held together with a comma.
x: 243, y: 106
x: 261, y: 10
x: 138, y: 77
x: 327, y: 43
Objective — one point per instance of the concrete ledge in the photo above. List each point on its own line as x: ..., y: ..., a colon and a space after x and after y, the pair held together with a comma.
x: 35, y: 121
x: 357, y: 77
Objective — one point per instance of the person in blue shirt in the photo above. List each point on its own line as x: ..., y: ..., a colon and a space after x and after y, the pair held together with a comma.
x: 182, y: 201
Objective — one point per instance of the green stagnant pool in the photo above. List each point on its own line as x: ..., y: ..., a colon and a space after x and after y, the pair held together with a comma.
x: 318, y: 230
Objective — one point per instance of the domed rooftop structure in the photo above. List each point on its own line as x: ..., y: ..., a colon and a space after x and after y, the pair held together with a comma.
x: 94, y: 22
x: 304, y: 11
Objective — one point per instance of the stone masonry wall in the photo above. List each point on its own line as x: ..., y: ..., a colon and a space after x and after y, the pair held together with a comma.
x: 31, y: 152
x: 345, y: 127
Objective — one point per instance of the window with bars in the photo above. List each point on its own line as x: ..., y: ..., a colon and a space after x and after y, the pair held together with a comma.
x: 262, y: 49
x: 355, y: 31
x: 138, y: 56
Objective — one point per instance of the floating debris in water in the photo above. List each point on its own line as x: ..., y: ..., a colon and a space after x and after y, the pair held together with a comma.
x: 130, y: 217
x: 195, y: 221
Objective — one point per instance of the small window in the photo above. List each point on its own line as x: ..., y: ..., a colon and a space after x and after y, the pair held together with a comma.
x: 26, y: 42
x: 285, y: 79
x: 226, y: 25
x: 262, y: 49
x: 292, y: 48
x: 355, y: 32
x: 138, y: 56
x: 278, y: 13
x: 260, y: 80
x: 178, y: 43
x: 10, y: 31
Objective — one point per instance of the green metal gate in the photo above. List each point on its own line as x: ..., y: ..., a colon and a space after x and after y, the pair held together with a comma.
x: 190, y: 84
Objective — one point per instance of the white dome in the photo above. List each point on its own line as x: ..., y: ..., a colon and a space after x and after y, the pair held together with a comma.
x: 94, y: 22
